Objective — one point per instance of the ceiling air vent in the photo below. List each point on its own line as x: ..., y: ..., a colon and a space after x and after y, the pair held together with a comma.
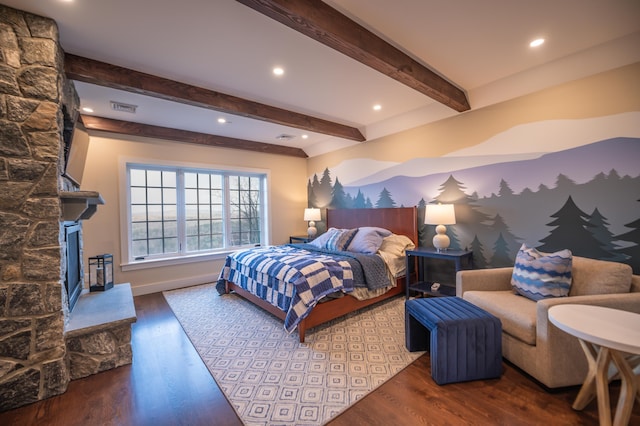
x: 122, y: 107
x: 284, y: 137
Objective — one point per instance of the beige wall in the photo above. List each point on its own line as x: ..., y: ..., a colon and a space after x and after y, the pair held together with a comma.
x: 603, y: 94
x: 287, y: 200
x: 608, y: 93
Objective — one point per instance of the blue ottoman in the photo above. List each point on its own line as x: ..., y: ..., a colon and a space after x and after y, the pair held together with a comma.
x: 465, y: 341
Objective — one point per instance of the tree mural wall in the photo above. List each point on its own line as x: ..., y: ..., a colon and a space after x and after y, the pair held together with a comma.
x: 551, y: 217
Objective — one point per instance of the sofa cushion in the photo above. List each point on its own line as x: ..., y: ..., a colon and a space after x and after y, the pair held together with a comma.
x: 538, y: 275
x: 518, y: 314
x: 592, y: 276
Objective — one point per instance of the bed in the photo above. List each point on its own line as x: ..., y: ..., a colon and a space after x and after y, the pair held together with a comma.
x: 400, y: 221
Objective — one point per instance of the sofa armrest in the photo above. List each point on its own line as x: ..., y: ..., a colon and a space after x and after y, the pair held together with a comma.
x: 624, y: 301
x: 559, y: 352
x: 495, y: 279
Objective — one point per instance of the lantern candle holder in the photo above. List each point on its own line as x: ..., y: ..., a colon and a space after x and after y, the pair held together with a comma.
x: 101, y: 272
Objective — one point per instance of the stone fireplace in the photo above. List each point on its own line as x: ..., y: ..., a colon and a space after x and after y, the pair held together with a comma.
x: 37, y: 357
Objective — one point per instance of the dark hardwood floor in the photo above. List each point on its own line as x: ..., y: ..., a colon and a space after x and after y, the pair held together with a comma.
x: 168, y: 384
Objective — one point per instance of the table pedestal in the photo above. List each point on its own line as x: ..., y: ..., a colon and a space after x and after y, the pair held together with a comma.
x: 599, y: 359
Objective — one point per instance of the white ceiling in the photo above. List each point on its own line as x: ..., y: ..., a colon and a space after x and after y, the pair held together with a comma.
x: 222, y: 45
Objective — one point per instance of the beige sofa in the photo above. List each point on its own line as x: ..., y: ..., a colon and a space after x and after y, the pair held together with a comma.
x: 529, y: 340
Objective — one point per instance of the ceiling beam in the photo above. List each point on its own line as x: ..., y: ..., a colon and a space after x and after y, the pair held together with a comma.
x: 115, y: 77
x: 146, y: 130
x: 322, y: 23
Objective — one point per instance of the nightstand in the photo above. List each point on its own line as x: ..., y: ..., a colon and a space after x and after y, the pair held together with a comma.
x: 463, y: 259
x: 299, y: 239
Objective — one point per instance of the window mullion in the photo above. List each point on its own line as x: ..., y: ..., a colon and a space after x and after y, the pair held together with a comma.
x: 181, y: 211
x: 226, y: 211
x: 263, y: 210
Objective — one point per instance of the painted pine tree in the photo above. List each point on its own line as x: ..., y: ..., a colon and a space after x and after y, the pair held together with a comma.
x: 315, y: 189
x: 359, y: 202
x: 452, y: 192
x: 633, y: 250
x: 311, y: 196
x: 479, y: 261
x: 572, y: 231
x: 339, y: 199
x: 600, y: 230
x: 500, y: 256
x: 512, y: 243
x: 385, y: 200
x: 324, y: 190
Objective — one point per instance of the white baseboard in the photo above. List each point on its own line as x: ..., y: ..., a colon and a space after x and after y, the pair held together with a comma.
x: 139, y: 290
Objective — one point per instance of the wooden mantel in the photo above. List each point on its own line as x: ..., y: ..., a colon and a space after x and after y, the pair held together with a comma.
x: 79, y: 205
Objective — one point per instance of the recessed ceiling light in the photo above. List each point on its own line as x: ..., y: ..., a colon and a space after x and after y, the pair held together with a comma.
x: 278, y: 71
x: 377, y: 107
x: 305, y: 136
x: 87, y: 109
x: 222, y: 120
x: 537, y: 42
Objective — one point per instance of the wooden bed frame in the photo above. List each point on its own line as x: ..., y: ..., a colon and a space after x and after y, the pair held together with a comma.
x: 402, y: 220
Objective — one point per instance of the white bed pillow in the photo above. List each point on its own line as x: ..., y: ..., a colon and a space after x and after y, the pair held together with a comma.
x: 396, y: 245
x: 368, y: 239
x: 392, y: 251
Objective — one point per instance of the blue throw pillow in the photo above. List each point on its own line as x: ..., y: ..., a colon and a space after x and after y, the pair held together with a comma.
x: 339, y: 241
x: 321, y: 240
x: 537, y: 275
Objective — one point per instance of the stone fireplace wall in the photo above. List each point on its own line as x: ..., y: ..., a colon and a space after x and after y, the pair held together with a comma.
x: 33, y: 91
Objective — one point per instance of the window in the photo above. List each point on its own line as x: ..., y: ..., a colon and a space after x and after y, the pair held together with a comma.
x: 176, y: 212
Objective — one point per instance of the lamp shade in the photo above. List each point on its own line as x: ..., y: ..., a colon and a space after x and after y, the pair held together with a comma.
x: 312, y: 214
x: 440, y: 214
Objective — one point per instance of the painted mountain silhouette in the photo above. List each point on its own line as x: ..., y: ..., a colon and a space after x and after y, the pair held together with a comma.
x: 578, y: 164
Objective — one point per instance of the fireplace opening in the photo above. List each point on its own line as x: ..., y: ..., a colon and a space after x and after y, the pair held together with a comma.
x: 73, y: 278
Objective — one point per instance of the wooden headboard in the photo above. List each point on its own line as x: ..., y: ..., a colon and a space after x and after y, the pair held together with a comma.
x: 399, y: 220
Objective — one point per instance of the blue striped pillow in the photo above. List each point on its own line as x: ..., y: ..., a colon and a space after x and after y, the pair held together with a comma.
x: 340, y: 240
x: 538, y: 275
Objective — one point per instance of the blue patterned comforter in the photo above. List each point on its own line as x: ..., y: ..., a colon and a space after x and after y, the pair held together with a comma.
x: 293, y: 277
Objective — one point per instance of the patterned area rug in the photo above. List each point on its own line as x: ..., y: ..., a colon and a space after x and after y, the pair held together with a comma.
x: 271, y: 378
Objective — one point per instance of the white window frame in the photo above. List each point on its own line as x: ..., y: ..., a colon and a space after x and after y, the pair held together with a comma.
x: 128, y: 263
